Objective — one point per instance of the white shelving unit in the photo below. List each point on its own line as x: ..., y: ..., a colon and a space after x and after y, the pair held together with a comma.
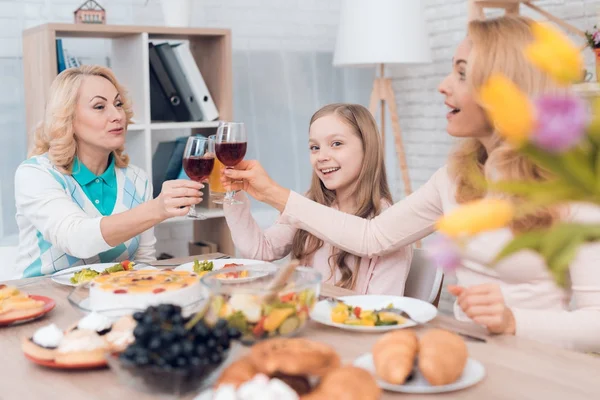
x: 129, y: 60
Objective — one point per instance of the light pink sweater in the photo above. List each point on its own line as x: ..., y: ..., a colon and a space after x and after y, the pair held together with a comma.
x: 376, y: 275
x: 541, y: 308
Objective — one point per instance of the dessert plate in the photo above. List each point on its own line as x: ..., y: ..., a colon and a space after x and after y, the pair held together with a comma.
x: 473, y: 373
x: 420, y: 310
x: 55, y: 365
x: 49, y: 304
x: 218, y: 264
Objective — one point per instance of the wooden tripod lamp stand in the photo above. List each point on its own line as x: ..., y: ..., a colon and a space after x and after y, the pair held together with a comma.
x: 380, y: 32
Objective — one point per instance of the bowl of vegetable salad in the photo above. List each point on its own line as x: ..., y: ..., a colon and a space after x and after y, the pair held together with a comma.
x: 243, y: 304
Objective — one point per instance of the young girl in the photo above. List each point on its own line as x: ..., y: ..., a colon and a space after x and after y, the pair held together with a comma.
x: 349, y: 175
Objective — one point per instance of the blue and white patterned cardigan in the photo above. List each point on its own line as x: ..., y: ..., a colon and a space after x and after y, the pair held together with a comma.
x: 59, y: 227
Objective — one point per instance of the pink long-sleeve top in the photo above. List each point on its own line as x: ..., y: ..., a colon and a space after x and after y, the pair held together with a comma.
x: 543, y: 311
x: 375, y: 275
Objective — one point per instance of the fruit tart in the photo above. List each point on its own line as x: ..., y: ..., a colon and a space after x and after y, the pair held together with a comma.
x: 15, y: 304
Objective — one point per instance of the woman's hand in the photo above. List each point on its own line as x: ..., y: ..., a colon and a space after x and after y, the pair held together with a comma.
x: 485, y: 305
x: 177, y: 196
x: 251, y: 177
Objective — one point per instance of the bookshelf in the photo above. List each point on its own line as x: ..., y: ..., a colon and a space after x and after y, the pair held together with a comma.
x: 211, y: 49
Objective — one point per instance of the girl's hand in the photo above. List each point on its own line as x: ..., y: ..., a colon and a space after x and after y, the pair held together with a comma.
x: 485, y: 305
x: 251, y: 177
x: 177, y: 196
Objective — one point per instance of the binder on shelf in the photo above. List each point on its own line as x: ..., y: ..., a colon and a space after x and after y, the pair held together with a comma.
x: 60, y: 56
x: 196, y: 82
x: 160, y: 107
x: 172, y: 97
x: 169, y: 59
x: 167, y: 162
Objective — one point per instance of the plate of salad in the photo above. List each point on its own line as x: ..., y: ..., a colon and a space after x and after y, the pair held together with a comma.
x: 75, y: 276
x: 372, y: 313
x: 202, y: 267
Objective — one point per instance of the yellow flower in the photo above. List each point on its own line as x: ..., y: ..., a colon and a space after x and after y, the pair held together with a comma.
x: 477, y: 216
x: 555, y: 54
x: 508, y: 108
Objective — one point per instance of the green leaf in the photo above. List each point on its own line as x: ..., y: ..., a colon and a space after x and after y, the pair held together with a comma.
x: 575, y: 161
x: 556, y: 239
x: 528, y: 240
x: 557, y: 164
x: 525, y: 188
x: 560, y: 262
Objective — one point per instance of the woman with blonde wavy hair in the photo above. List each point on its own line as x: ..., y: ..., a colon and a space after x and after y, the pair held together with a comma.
x: 346, y: 155
x: 516, y: 297
x: 78, y: 199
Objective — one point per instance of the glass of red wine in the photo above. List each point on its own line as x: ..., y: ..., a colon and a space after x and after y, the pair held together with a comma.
x: 230, y: 145
x: 198, y: 162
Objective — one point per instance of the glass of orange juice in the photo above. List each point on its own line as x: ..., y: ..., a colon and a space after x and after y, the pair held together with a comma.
x: 217, y: 191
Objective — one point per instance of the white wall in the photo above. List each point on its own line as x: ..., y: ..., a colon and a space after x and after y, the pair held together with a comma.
x: 282, y: 74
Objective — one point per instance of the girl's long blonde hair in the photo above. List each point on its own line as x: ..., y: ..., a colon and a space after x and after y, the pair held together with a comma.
x: 497, y: 47
x: 370, y: 190
x: 55, y: 134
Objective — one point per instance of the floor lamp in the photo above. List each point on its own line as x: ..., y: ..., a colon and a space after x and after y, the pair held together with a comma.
x: 379, y: 33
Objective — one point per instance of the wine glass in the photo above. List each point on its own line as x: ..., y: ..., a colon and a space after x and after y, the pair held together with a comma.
x: 230, y: 147
x: 198, y: 162
x: 217, y: 190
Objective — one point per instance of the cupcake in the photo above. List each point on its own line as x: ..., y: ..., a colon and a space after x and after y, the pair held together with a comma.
x: 81, y: 346
x: 121, y: 334
x: 44, y: 343
x: 94, y: 322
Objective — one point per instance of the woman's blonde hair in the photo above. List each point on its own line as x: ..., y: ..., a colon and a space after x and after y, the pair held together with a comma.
x: 370, y: 190
x: 497, y: 47
x: 55, y: 134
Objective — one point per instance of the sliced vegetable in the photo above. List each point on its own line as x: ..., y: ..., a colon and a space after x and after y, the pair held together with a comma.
x: 289, y: 325
x: 276, y: 318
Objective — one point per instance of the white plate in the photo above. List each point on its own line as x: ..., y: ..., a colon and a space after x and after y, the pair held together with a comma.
x: 64, y: 278
x: 473, y: 373
x: 219, y: 263
x: 420, y: 310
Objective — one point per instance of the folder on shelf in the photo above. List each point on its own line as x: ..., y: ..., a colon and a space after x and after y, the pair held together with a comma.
x: 167, y: 162
x: 171, y: 63
x: 196, y: 82
x: 60, y: 56
x: 160, y: 108
x: 167, y: 87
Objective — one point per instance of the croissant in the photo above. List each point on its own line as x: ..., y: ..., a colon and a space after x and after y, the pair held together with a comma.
x: 394, y: 355
x: 442, y: 356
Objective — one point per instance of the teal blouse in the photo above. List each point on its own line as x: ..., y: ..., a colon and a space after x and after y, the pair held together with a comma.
x: 100, y: 189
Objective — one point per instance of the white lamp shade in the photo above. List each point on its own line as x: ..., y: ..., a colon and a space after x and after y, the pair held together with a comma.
x: 381, y: 32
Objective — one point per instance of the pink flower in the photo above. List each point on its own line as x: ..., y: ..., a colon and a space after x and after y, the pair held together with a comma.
x: 596, y: 37
x: 560, y: 122
x: 444, y: 253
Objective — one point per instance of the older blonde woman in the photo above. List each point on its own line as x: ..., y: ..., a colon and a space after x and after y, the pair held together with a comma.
x: 78, y: 199
x: 518, y: 296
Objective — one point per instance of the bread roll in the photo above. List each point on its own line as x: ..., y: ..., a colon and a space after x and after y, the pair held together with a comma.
x: 394, y: 355
x: 346, y: 383
x: 295, y: 356
x: 442, y: 356
x: 238, y: 372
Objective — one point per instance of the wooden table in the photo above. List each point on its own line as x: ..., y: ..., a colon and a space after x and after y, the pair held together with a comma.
x: 515, y: 368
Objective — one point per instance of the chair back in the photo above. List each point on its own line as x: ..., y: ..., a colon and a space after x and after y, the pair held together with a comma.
x: 424, y: 281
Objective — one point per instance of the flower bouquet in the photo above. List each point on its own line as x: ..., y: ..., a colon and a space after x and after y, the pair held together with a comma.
x: 560, y: 132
